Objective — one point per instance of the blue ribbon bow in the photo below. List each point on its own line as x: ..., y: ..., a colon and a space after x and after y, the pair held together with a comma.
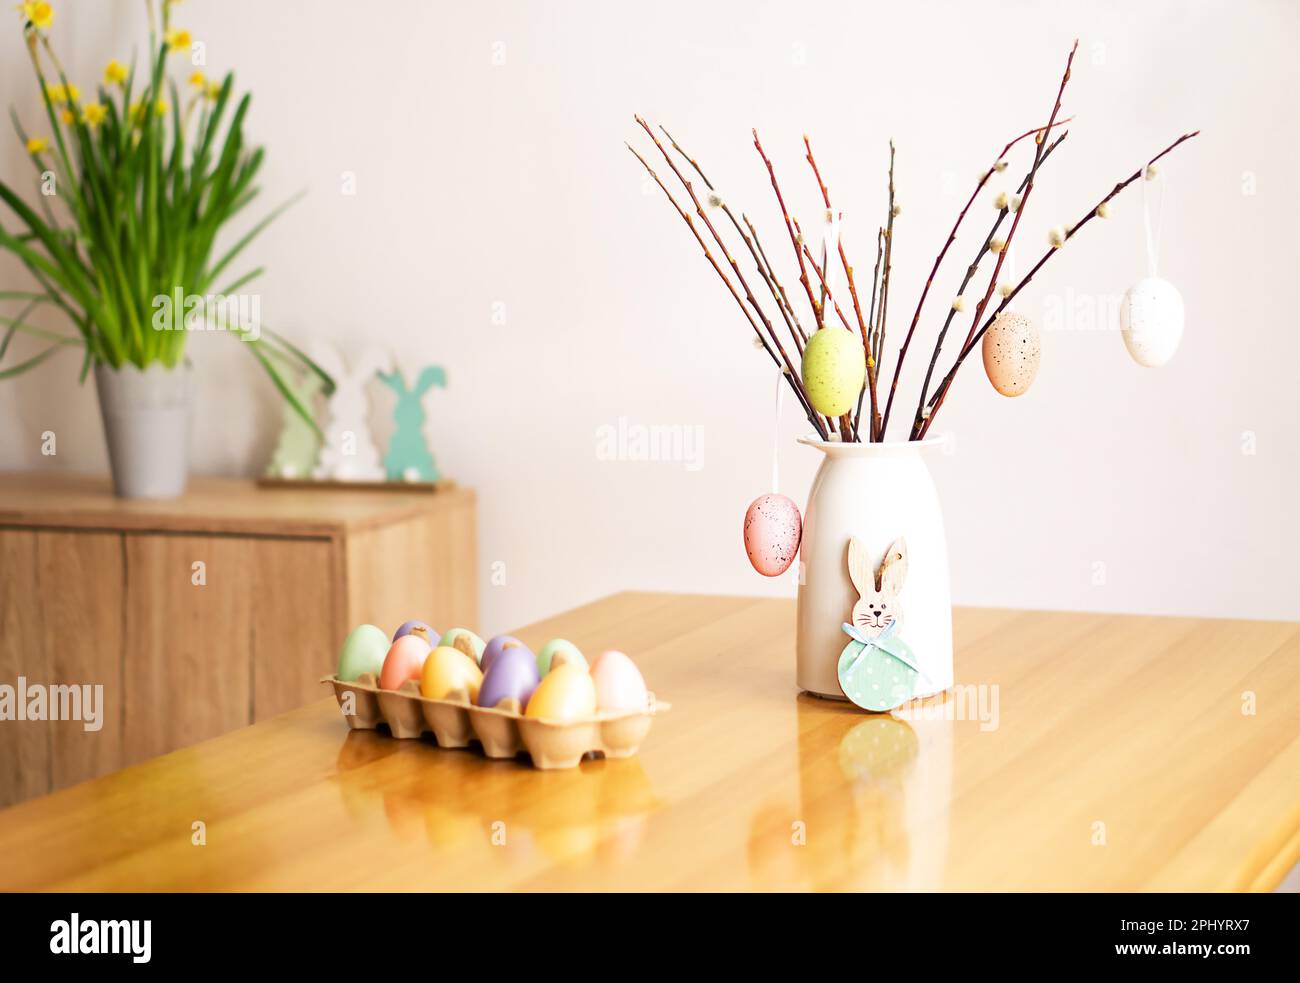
x: 880, y: 642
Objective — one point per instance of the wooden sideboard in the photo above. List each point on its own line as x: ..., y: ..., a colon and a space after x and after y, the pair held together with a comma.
x: 206, y: 613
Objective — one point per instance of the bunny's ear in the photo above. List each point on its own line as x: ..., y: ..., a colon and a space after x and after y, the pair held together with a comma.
x: 430, y: 377
x: 372, y: 362
x: 393, y: 380
x: 860, y: 568
x: 327, y: 357
x: 893, y: 568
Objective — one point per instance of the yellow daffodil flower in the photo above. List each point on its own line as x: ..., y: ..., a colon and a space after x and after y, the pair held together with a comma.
x: 68, y: 117
x: 178, y: 40
x: 59, y: 95
x: 115, y: 73
x: 93, y: 114
x: 39, y: 15
x: 213, y: 91
x: 160, y: 107
x: 36, y: 145
x: 198, y: 80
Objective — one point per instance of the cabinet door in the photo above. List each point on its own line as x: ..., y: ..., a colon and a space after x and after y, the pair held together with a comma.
x: 295, y: 615
x: 24, y: 745
x: 80, y: 578
x: 61, y: 625
x: 189, y: 637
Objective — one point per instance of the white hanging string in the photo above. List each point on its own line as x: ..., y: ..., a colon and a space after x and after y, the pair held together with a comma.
x: 1153, y: 239
x: 776, y: 432
x: 830, y: 246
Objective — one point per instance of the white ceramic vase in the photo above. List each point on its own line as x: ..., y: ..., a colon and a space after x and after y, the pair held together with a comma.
x: 146, y: 416
x: 876, y: 493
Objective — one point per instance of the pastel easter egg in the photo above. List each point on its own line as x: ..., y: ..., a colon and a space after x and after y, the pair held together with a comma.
x: 565, y: 694
x: 1012, y: 352
x: 496, y: 646
x: 363, y: 651
x: 556, y: 652
x: 405, y: 658
x: 450, y: 673
x: 420, y: 628
x: 513, y: 676
x: 773, y: 528
x: 619, y: 683
x: 464, y: 640
x: 834, y: 369
x: 1151, y: 319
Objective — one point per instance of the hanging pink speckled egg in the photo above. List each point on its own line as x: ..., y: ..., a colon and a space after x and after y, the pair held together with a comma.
x: 773, y: 528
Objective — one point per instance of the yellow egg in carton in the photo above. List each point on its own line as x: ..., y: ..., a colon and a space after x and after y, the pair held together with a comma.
x: 440, y: 694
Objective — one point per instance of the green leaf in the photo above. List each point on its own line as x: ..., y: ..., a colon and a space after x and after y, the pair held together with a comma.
x: 248, y: 237
x: 31, y: 363
x: 283, y: 386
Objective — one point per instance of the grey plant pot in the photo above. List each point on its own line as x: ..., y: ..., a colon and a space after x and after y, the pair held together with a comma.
x: 147, y: 425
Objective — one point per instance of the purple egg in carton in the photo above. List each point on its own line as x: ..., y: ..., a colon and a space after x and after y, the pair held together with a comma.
x: 483, y: 689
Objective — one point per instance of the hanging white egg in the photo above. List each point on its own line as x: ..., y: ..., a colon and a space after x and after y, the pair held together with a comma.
x: 773, y: 528
x: 1151, y: 318
x: 1012, y: 353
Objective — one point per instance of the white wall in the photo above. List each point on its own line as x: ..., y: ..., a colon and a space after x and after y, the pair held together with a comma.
x: 482, y: 183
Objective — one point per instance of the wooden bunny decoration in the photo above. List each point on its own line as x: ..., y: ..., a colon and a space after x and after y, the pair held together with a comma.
x: 408, y: 457
x: 349, y: 453
x: 877, y: 670
x: 878, y: 590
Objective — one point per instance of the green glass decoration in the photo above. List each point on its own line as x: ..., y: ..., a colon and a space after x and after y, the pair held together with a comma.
x: 408, y: 457
x: 295, y: 453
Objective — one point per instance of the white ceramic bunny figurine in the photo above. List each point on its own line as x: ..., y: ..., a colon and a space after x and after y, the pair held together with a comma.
x: 348, y: 452
x: 878, y: 605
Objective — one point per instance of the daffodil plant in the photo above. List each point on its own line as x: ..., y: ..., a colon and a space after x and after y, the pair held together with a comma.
x: 135, y: 187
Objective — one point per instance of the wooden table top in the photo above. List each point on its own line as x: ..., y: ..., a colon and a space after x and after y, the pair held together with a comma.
x: 64, y: 500
x: 1121, y: 753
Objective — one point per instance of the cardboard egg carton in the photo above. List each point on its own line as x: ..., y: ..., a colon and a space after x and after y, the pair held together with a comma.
x: 502, y: 731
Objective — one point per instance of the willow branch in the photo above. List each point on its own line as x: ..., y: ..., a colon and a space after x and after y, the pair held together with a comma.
x: 771, y: 270
x: 722, y: 246
x: 794, y: 238
x: 942, y: 391
x: 934, y: 270
x: 971, y: 270
x: 751, y: 241
x: 846, y: 423
x: 853, y: 288
x: 686, y: 217
x: 871, y: 362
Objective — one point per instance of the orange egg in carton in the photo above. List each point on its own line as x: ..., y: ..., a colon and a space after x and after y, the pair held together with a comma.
x: 497, y: 694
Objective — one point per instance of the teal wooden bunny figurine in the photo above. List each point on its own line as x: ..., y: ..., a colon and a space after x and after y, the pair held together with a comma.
x: 408, y: 456
x: 295, y: 453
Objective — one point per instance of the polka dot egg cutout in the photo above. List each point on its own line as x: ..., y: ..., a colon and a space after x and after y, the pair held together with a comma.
x: 773, y: 528
x: 1012, y: 353
x: 1151, y: 319
x: 875, y: 680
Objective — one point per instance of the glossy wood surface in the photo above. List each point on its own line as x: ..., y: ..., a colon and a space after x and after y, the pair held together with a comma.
x: 59, y: 499
x: 1121, y: 753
